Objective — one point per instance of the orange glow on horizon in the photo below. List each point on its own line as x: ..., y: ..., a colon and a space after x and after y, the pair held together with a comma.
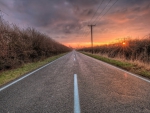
x: 98, y: 41
x: 83, y: 44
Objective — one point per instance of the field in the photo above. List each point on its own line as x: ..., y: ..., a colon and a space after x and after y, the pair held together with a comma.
x: 131, y: 50
x: 135, y: 53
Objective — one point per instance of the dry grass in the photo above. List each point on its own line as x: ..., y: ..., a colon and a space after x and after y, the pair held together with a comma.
x: 9, y: 75
x: 138, y: 63
x: 134, y: 67
x: 130, y: 50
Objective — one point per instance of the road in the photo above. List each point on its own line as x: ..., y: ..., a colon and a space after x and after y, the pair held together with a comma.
x: 76, y: 83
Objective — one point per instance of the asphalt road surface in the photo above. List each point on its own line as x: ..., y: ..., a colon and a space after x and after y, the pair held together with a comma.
x: 76, y: 83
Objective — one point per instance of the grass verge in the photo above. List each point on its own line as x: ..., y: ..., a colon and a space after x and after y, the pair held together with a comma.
x: 9, y: 75
x: 124, y: 65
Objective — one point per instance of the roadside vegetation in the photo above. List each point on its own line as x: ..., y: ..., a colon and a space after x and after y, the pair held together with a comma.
x: 134, y: 50
x: 129, y: 66
x: 9, y: 75
x: 24, y: 47
x: 21, y: 46
x: 131, y: 55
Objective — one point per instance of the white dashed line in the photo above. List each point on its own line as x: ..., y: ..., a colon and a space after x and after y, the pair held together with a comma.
x: 76, y: 95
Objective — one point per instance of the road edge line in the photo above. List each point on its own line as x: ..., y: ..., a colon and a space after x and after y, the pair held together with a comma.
x: 26, y: 75
x: 133, y: 74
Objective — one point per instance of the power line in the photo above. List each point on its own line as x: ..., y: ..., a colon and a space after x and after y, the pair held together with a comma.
x: 99, y: 15
x: 93, y: 15
x: 103, y: 10
x: 96, y: 10
x: 108, y: 9
x: 86, y: 33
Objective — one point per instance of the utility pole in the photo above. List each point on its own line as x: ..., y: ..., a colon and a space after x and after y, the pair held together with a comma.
x: 91, y: 36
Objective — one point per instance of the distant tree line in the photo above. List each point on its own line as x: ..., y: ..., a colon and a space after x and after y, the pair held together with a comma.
x: 19, y: 46
x: 135, y: 50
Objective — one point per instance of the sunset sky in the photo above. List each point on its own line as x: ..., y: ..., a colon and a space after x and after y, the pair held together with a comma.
x: 66, y: 21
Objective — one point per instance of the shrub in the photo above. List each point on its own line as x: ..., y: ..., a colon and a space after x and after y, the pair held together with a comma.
x: 18, y: 46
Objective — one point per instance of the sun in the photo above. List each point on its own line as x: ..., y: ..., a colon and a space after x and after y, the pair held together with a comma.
x: 124, y: 43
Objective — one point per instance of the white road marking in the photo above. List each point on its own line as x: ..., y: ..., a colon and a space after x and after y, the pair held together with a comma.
x: 137, y: 76
x: 27, y: 75
x: 76, y: 95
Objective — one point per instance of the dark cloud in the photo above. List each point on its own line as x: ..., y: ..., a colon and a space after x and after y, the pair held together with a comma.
x: 131, y: 3
x: 40, y: 12
x: 2, y: 4
x: 83, y: 3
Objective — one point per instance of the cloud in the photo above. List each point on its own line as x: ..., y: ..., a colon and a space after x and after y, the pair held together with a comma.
x: 64, y: 19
